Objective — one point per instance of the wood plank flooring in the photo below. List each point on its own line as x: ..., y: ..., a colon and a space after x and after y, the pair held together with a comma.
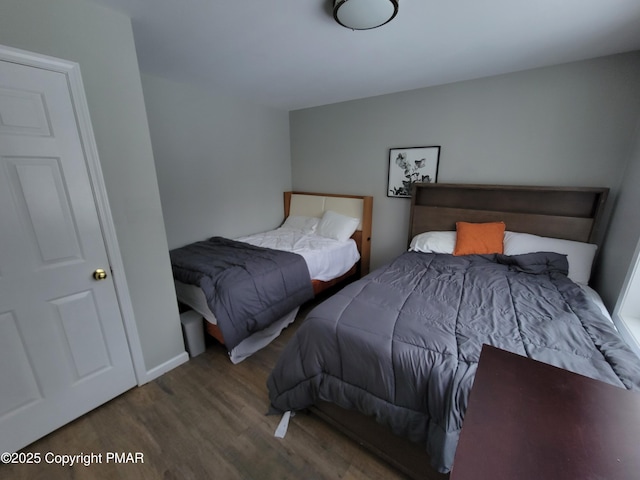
x: 204, y: 420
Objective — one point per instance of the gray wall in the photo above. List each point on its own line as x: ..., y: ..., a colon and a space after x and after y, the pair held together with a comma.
x: 623, y: 233
x: 101, y: 41
x: 222, y: 163
x: 572, y: 124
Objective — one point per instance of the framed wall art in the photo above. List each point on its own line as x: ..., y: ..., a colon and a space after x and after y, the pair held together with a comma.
x: 410, y: 165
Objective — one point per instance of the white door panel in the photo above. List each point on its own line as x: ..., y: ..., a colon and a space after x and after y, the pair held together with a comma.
x: 63, y: 349
x: 17, y: 371
x: 23, y: 113
x: 41, y: 200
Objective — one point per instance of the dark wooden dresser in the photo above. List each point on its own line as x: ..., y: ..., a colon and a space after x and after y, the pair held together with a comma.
x: 529, y: 420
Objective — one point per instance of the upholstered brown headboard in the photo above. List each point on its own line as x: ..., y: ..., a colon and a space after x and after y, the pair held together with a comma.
x: 571, y: 213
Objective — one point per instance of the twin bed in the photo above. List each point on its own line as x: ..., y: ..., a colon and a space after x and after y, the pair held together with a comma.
x: 397, y: 350
x: 250, y: 288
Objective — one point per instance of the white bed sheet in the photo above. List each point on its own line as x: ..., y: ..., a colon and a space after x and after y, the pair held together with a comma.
x: 326, y: 258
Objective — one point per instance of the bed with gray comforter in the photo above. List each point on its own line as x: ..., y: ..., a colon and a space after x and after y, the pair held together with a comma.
x: 247, y: 287
x: 402, y: 344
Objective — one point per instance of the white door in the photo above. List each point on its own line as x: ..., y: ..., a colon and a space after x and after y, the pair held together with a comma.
x: 63, y: 349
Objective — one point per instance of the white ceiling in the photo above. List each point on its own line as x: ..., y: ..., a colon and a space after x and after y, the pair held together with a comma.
x: 291, y: 54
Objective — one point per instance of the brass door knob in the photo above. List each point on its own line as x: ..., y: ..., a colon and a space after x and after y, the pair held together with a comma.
x: 99, y: 274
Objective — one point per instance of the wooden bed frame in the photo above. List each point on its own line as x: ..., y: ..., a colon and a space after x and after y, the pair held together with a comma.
x: 572, y: 213
x: 314, y: 204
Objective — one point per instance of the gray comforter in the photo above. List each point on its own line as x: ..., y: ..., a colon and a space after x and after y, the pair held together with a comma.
x: 247, y: 287
x: 402, y: 344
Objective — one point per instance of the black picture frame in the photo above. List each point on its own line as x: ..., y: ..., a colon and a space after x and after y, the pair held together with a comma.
x: 410, y: 165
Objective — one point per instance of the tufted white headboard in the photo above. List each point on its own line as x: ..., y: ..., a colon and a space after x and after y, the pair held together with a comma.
x: 315, y: 204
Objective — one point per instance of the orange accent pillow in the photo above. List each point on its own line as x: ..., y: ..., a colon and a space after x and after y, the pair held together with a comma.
x: 479, y: 238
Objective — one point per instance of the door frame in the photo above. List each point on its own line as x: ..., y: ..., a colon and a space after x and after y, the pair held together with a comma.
x: 81, y: 109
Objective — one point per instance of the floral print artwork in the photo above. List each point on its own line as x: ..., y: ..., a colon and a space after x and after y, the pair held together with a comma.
x: 410, y: 165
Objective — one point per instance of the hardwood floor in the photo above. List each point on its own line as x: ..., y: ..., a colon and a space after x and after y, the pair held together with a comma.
x: 203, y: 420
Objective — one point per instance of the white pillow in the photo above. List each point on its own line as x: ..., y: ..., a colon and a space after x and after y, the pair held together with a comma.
x: 301, y: 223
x: 579, y: 254
x: 434, y: 242
x: 336, y: 225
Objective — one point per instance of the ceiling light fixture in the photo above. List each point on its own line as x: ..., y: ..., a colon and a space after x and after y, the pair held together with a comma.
x: 364, y: 14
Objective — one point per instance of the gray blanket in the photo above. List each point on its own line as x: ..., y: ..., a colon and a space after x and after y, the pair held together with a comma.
x: 403, y: 343
x: 247, y: 287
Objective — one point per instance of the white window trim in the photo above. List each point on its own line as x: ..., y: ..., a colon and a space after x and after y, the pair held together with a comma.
x: 626, y: 314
